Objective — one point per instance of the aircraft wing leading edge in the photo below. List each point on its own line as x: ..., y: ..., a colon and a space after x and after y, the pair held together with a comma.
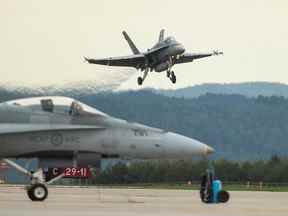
x: 189, y: 57
x: 125, y: 61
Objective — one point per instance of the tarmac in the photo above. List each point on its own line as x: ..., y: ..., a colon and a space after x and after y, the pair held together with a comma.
x: 127, y: 202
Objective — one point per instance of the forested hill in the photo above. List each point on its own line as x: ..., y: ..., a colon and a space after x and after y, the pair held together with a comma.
x: 249, y: 89
x: 236, y: 126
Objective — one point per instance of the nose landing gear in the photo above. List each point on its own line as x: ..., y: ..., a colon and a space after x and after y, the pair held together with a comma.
x: 37, y: 190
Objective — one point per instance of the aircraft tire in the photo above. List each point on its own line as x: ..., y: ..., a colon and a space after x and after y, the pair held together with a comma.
x: 173, y: 78
x: 37, y: 192
x: 168, y: 74
x: 29, y: 194
x: 140, y: 81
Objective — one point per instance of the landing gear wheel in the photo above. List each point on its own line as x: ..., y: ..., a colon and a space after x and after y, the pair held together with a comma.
x: 168, y: 74
x: 173, y: 77
x: 29, y: 194
x: 140, y: 81
x: 37, y: 192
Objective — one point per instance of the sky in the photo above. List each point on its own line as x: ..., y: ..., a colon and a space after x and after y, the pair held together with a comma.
x: 43, y: 42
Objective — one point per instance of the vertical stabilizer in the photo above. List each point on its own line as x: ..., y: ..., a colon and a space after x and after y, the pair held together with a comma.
x: 161, y: 35
x: 131, y: 44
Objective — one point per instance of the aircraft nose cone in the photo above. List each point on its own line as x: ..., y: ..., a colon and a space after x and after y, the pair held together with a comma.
x: 181, y: 146
x: 183, y: 48
x: 209, y: 150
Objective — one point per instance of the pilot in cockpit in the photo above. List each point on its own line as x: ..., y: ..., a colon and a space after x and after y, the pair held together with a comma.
x: 75, y: 109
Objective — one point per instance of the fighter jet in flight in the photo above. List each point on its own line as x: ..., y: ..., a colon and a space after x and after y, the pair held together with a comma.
x: 161, y: 57
x: 61, y: 131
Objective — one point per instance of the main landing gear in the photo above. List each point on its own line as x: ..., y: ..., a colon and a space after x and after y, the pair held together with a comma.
x: 171, y: 76
x: 140, y: 80
x: 37, y: 190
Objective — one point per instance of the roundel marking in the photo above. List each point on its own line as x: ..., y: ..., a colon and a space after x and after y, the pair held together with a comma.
x: 56, y: 139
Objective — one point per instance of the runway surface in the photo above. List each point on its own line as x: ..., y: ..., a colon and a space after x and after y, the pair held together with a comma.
x: 140, y: 202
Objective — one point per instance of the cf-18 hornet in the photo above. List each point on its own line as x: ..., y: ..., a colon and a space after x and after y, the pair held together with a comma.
x: 63, y: 131
x: 161, y: 57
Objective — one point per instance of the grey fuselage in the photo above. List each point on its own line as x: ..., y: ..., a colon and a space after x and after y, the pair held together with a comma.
x: 169, y: 49
x: 161, y: 57
x: 29, y: 128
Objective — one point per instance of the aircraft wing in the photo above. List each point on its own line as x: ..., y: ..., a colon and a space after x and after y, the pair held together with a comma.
x: 14, y: 128
x: 189, y: 57
x: 125, y: 61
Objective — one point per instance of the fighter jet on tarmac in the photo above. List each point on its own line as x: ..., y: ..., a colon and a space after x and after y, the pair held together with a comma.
x: 161, y: 57
x: 63, y: 131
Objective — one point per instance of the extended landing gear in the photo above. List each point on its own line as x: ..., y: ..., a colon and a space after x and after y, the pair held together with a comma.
x: 171, y: 76
x: 140, y: 80
x: 168, y: 74
x: 37, y: 190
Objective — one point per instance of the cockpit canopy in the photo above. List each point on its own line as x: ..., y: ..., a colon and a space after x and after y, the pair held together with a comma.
x: 56, y: 104
x: 165, y: 42
x: 169, y: 39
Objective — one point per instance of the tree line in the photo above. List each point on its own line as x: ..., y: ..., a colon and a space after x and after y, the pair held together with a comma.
x: 171, y: 171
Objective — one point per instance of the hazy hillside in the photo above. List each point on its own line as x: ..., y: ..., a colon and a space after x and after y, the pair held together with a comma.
x: 70, y: 89
x: 249, y: 89
x: 236, y: 126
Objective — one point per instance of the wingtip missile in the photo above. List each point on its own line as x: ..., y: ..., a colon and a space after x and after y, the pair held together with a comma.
x: 86, y: 59
x: 216, y: 52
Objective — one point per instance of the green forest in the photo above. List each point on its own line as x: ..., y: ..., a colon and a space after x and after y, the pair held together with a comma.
x: 170, y: 171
